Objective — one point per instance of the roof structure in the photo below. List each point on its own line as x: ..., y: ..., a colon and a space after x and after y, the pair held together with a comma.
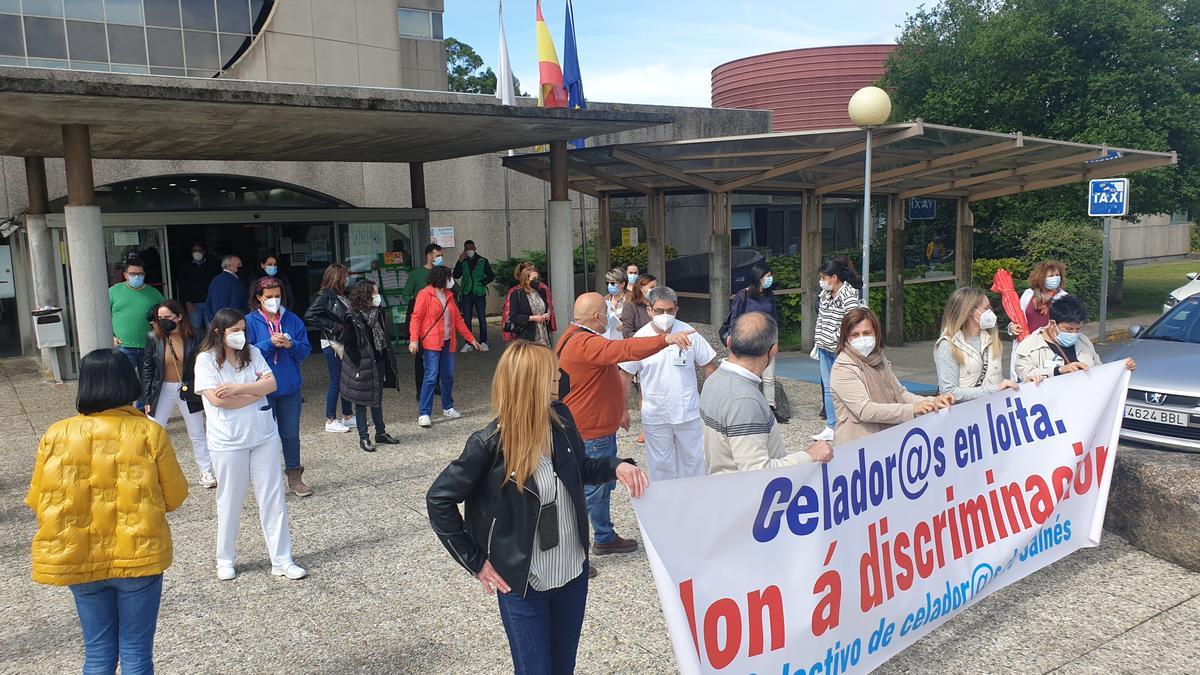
x: 913, y: 159
x: 142, y: 117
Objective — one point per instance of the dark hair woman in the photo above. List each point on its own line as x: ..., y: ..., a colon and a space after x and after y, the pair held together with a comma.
x: 327, y: 314
x: 433, y: 325
x: 757, y: 296
x: 368, y: 364
x: 268, y: 266
x: 111, y: 552
x: 839, y: 293
x: 636, y: 311
x: 532, y: 549
x: 283, y: 340
x: 529, y: 308
x: 168, y: 374
x: 523, y: 274
x: 243, y: 440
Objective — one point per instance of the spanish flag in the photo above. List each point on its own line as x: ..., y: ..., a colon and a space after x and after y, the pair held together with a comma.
x: 551, y: 93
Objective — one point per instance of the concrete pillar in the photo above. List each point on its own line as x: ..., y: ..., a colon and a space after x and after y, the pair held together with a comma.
x: 656, y: 237
x: 964, y: 242
x: 894, y: 302
x: 85, y: 244
x: 41, y: 253
x: 810, y: 262
x: 603, y: 243
x: 719, y: 267
x: 560, y: 245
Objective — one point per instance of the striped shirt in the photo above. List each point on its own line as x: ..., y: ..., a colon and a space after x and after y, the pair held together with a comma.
x: 739, y: 430
x: 830, y: 310
x: 554, y: 568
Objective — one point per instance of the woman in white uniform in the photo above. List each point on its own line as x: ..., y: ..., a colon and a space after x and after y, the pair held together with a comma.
x: 243, y: 442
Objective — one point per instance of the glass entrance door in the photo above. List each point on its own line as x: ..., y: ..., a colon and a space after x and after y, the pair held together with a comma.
x: 148, y: 244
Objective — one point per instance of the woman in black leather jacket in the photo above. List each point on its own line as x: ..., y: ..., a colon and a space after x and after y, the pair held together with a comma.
x: 327, y: 314
x: 168, y: 370
x: 526, y: 528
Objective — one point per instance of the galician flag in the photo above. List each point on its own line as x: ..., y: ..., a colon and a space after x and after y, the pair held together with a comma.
x: 572, y: 78
x: 551, y: 93
x: 504, y: 78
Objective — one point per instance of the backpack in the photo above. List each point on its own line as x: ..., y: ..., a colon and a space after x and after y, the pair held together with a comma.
x: 739, y: 304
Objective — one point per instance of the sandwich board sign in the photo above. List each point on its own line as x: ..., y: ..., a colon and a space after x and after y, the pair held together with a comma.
x: 1108, y: 197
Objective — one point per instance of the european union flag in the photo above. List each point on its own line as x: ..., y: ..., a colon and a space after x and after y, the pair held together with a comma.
x: 572, y: 78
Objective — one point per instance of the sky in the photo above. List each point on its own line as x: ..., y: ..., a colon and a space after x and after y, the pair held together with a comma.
x: 663, y: 51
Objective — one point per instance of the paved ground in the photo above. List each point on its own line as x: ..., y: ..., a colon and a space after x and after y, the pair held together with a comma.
x: 385, y: 597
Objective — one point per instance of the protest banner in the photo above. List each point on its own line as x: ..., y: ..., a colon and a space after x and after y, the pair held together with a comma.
x: 834, y: 568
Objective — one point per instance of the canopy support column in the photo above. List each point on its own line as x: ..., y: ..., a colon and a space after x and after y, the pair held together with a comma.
x: 560, y: 253
x: 964, y: 242
x: 810, y: 262
x: 656, y: 236
x: 719, y: 256
x: 85, y: 244
x: 603, y: 242
x: 894, y: 302
x: 41, y: 251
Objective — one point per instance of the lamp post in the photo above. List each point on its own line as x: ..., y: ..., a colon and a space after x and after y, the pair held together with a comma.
x: 869, y: 107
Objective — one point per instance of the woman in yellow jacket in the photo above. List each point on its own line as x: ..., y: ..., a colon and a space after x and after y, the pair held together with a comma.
x: 102, y: 485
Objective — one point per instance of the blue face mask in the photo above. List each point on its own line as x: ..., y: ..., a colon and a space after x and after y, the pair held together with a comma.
x: 632, y: 278
x: 768, y: 281
x: 437, y: 262
x: 1067, y: 339
x: 271, y: 270
x: 612, y: 289
x: 136, y: 280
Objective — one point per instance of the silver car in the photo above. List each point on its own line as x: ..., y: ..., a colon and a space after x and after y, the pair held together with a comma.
x: 1162, y: 406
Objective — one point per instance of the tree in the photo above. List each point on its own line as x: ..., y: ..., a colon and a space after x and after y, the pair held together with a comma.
x: 1121, y: 72
x: 466, y: 73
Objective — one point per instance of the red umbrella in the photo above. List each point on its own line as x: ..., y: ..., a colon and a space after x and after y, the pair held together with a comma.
x: 1002, y: 283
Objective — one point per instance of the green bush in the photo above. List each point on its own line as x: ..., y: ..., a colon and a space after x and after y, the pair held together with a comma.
x: 983, y: 270
x: 923, y: 307
x: 636, y: 255
x: 1078, y: 245
x: 621, y: 256
x: 504, y: 269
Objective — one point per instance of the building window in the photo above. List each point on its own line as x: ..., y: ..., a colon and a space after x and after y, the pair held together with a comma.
x: 1180, y: 217
x: 419, y: 23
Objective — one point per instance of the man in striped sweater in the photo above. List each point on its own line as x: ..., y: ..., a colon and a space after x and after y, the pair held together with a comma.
x: 740, y: 433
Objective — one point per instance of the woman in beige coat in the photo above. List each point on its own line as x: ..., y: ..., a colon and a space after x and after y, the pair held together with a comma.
x: 968, y: 353
x: 866, y: 394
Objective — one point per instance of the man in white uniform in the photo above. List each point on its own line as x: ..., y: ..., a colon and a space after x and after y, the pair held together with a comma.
x: 670, y: 394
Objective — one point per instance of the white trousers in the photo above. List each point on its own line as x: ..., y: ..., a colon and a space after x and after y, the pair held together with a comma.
x: 167, y: 403
x: 235, y: 469
x: 674, y: 450
x: 768, y: 382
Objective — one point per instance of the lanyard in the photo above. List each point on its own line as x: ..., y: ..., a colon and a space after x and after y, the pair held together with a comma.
x: 273, y: 328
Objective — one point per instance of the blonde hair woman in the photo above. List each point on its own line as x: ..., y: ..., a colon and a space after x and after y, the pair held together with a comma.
x: 618, y: 295
x: 526, y: 528
x: 968, y: 353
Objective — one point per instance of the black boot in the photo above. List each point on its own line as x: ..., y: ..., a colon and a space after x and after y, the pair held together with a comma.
x: 386, y: 439
x: 366, y: 444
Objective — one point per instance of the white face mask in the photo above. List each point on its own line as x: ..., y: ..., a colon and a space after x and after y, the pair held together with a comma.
x: 663, y: 322
x: 987, y: 320
x: 236, y: 340
x: 198, y: 256
x: 1053, y: 282
x: 376, y: 300
x: 271, y: 305
x: 864, y: 345
x: 825, y: 285
x: 449, y: 284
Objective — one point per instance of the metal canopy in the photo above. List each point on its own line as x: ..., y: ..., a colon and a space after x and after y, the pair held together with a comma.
x: 143, y: 117
x: 914, y: 159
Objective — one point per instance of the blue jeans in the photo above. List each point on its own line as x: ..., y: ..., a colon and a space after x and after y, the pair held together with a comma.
x: 598, y: 495
x: 438, y: 364
x: 135, y: 355
x: 196, y: 316
x: 334, y: 365
x: 478, y: 303
x: 287, y: 417
x: 118, y: 617
x: 827, y: 359
x: 543, y: 627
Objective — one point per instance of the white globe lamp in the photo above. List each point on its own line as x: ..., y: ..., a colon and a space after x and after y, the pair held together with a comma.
x: 869, y: 107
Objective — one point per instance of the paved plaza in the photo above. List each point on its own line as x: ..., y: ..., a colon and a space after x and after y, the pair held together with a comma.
x: 384, y: 596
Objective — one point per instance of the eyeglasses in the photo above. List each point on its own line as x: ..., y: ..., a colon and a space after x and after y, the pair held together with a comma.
x: 659, y: 312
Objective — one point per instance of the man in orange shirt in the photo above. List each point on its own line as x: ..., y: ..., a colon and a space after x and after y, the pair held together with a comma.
x: 596, y: 398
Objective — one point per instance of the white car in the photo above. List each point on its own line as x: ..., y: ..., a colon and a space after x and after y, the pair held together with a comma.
x: 1187, y: 290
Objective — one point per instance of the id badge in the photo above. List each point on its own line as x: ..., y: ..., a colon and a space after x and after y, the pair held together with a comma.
x: 548, y: 526
x: 680, y: 358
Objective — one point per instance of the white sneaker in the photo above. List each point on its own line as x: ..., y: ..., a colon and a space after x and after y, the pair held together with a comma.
x: 452, y: 414
x: 226, y: 572
x: 483, y: 347
x: 826, y: 435
x: 291, y: 571
x: 208, y: 480
x: 336, y: 427
x: 424, y: 421
x: 467, y: 348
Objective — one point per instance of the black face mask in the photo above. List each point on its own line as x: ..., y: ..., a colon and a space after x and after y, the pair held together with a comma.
x: 167, y: 325
x: 535, y: 284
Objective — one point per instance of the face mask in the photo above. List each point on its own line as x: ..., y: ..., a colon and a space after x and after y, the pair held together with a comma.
x: 236, y: 340
x: 535, y: 284
x: 167, y: 325
x: 612, y: 289
x: 437, y: 262
x: 632, y: 278
x: 1067, y: 339
x: 198, y: 256
x: 863, y: 345
x: 449, y: 284
x: 663, y: 322
x: 470, y: 254
x: 825, y: 285
x: 271, y: 270
x: 768, y: 281
x: 271, y: 305
x: 987, y: 320
x: 136, y: 280
x: 376, y: 300
x: 1053, y: 282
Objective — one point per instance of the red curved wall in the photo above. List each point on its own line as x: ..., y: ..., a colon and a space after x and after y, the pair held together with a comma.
x: 804, y: 88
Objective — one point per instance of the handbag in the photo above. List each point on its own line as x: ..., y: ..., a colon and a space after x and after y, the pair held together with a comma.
x: 726, y: 327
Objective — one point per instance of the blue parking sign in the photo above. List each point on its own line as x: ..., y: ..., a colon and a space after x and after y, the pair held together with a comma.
x: 1108, y: 197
